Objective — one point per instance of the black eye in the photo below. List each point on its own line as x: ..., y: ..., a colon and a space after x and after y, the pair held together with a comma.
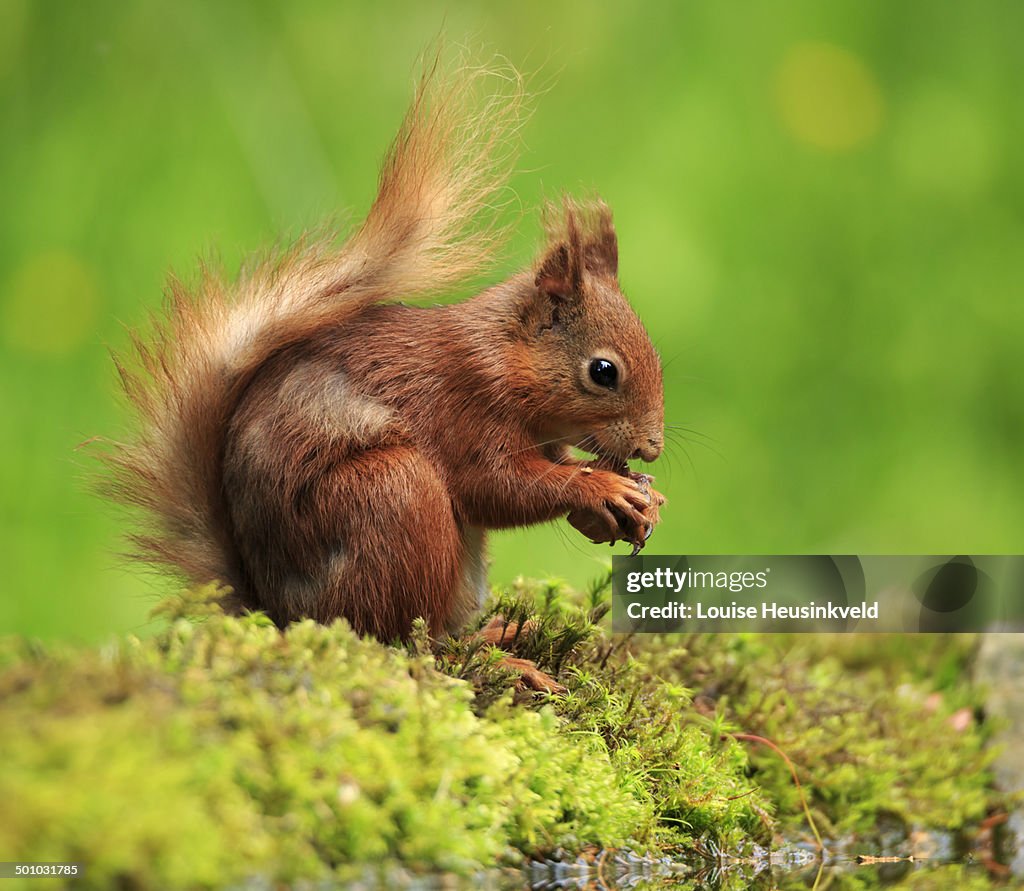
x: 604, y: 373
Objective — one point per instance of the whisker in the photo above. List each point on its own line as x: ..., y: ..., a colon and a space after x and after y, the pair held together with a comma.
x: 572, y: 541
x: 537, y: 445
x: 689, y: 458
x: 576, y: 471
x: 677, y: 436
x: 691, y: 430
x: 555, y: 464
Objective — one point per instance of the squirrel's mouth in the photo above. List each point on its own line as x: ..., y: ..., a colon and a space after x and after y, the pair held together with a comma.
x: 618, y: 459
x: 605, y: 458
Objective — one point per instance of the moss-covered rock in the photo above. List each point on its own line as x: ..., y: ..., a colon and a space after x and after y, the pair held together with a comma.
x: 223, y: 748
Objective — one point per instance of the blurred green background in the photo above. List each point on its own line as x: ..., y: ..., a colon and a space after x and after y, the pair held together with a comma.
x: 820, y: 208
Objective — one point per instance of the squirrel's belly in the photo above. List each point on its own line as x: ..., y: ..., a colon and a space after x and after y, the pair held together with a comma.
x: 474, y: 565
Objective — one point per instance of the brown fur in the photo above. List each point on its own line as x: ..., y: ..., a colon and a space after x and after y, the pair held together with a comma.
x: 327, y: 452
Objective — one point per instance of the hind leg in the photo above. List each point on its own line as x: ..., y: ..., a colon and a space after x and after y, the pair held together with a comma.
x: 400, y: 546
x: 503, y: 635
x: 367, y: 534
x: 333, y: 510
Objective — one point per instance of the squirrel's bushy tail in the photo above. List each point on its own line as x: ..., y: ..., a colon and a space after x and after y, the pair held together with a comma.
x: 429, y: 228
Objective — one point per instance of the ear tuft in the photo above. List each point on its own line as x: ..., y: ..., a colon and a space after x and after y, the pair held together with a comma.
x: 601, y: 248
x: 580, y: 237
x: 554, y: 277
x: 561, y: 270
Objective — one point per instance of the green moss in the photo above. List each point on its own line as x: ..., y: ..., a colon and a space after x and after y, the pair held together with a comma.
x: 224, y: 748
x: 691, y: 780
x: 867, y: 721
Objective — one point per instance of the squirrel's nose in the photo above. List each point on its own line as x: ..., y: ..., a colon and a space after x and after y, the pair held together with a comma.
x: 650, y: 450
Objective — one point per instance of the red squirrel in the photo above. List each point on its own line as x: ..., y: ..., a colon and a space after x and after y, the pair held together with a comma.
x: 326, y: 451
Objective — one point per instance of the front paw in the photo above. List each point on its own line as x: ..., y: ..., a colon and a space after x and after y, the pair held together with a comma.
x: 595, y: 526
x: 652, y: 513
x: 620, y: 507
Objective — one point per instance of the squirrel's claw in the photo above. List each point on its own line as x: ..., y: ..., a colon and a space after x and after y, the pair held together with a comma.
x: 629, y: 511
x: 530, y: 677
x: 599, y: 526
x: 501, y: 633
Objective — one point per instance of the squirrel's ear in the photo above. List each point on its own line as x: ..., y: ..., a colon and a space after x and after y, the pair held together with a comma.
x: 601, y: 251
x: 559, y: 274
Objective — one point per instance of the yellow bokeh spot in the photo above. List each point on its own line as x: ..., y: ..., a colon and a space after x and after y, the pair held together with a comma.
x: 828, y: 98
x: 49, y: 304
